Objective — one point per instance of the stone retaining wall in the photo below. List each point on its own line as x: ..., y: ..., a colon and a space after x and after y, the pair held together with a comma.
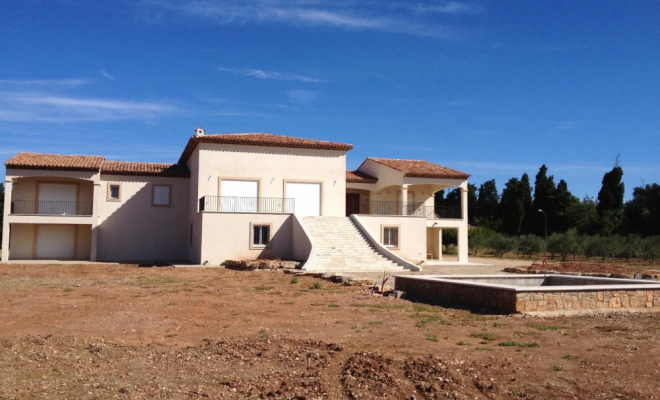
x: 587, y: 300
x: 436, y: 292
x: 596, y: 299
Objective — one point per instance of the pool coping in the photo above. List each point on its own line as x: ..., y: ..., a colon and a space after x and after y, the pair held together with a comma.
x: 633, y: 284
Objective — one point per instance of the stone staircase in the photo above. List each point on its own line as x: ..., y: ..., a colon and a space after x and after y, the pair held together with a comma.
x: 341, y: 246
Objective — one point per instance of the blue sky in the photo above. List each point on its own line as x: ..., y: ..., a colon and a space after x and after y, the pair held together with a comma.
x: 493, y: 88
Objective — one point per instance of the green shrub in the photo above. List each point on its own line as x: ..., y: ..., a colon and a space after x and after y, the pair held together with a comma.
x: 501, y: 244
x: 529, y: 245
x: 478, y: 239
x: 451, y: 249
x: 564, y: 244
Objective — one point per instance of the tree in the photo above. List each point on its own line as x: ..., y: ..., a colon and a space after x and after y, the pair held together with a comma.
x: 564, y: 244
x: 478, y: 239
x: 642, y: 212
x: 563, y: 201
x: 487, y: 204
x: 472, y: 203
x: 597, y: 246
x: 544, y: 191
x: 512, y: 208
x: 501, y: 244
x: 610, y: 196
x: 610, y: 200
x: 453, y: 198
x: 525, y: 193
x: 528, y: 245
x: 582, y: 215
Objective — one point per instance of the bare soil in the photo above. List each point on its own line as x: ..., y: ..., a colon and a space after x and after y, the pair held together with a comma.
x: 612, y: 267
x: 124, y: 332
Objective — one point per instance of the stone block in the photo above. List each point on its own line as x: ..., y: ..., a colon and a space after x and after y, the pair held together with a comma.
x: 615, y: 302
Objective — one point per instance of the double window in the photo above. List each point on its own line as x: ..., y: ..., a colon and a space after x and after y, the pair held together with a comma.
x: 260, y: 235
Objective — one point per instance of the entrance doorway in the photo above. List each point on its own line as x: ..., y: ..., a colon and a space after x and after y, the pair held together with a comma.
x: 352, y: 203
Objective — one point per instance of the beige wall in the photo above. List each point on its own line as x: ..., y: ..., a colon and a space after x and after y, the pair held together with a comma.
x: 226, y: 236
x: 133, y: 230
x: 194, y: 217
x: 13, y: 173
x: 412, y: 234
x: 22, y: 241
x: 273, y: 166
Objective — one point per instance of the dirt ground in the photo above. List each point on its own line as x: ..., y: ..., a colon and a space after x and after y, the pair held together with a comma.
x: 124, y: 332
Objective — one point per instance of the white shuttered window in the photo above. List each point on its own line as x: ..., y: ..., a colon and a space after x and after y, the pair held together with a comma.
x: 161, y: 195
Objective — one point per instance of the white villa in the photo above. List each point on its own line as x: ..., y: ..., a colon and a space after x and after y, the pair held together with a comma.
x: 232, y: 197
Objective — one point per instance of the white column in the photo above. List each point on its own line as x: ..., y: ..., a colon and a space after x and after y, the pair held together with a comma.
x: 95, y: 222
x: 463, y: 230
x: 439, y: 244
x: 404, y: 199
x: 5, y: 221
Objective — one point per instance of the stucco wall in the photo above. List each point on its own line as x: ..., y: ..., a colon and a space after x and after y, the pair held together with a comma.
x: 133, y: 230
x: 412, y: 234
x: 194, y: 218
x: 273, y: 166
x: 226, y: 236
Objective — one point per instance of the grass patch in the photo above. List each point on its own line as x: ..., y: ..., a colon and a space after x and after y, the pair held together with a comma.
x: 570, y: 357
x: 263, y: 334
x: 431, y: 337
x: 486, y: 337
x: 316, y: 286
x: 67, y: 289
x: 484, y: 349
x: 523, y: 333
x: 464, y: 343
x: 289, y: 303
x: 317, y: 304
x: 375, y: 322
x: 263, y: 287
x: 517, y: 344
x: 333, y: 305
x: 558, y: 368
x: 431, y: 319
x: 543, y: 327
x: 294, y: 280
x: 171, y: 335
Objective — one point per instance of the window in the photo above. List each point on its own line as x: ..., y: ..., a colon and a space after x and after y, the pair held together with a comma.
x: 160, y: 196
x: 391, y: 236
x: 191, y: 233
x: 114, y: 192
x: 260, y: 236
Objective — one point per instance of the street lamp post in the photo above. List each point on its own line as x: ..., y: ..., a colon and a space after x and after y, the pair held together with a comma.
x: 546, y: 224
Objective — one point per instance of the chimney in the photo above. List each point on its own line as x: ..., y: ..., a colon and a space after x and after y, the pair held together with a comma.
x: 199, y: 132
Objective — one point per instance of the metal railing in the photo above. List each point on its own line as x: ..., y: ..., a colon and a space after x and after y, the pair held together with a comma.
x: 247, y: 204
x: 405, y: 208
x: 51, y: 207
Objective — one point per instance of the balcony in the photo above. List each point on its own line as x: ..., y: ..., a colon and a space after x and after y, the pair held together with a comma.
x: 51, y: 207
x: 409, y: 209
x: 247, y: 204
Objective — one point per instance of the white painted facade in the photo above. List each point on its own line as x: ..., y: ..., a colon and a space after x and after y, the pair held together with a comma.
x: 209, y: 216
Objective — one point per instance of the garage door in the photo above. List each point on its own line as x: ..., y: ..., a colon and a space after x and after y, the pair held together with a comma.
x: 57, y: 199
x: 56, y: 241
x: 307, y: 197
x: 239, y: 196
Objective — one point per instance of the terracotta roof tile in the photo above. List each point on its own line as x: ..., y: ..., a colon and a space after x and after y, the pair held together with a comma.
x: 55, y: 162
x: 359, y: 177
x: 145, y: 169
x: 421, y: 169
x: 261, y: 139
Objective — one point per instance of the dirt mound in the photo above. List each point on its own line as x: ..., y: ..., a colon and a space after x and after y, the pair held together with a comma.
x: 368, y: 376
x: 437, y: 379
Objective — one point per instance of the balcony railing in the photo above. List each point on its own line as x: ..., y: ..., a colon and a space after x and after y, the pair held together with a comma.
x: 51, y: 207
x: 405, y: 208
x: 247, y: 204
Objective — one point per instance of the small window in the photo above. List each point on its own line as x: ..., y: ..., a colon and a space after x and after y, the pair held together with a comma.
x: 161, y: 196
x: 114, y: 192
x: 391, y: 236
x: 260, y: 235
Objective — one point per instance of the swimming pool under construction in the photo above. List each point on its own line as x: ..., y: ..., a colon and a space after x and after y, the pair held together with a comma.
x: 533, y: 294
